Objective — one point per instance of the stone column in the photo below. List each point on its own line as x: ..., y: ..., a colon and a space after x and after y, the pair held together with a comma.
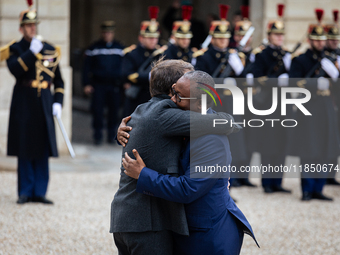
x: 54, y: 28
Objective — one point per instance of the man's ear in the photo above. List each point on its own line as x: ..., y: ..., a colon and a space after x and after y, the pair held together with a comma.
x: 21, y: 30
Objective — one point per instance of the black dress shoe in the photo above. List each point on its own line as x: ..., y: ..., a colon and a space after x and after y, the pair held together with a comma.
x: 247, y: 183
x: 320, y: 196
x: 268, y: 189
x: 306, y: 196
x: 23, y: 200
x: 332, y: 181
x: 43, y: 200
x: 280, y: 189
x: 235, y: 183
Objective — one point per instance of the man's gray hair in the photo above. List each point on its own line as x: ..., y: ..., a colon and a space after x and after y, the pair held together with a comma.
x: 200, y: 80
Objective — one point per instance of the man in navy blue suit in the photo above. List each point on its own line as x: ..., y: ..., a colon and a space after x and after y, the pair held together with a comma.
x: 216, y: 224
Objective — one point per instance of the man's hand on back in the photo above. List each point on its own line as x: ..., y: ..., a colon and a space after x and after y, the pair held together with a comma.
x: 122, y: 135
x: 133, y: 167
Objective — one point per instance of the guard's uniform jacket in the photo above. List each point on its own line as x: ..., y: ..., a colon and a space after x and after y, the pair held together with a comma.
x: 31, y: 126
x: 268, y: 66
x: 176, y: 52
x: 316, y: 136
x: 103, y: 63
x: 135, y: 70
x: 209, y: 62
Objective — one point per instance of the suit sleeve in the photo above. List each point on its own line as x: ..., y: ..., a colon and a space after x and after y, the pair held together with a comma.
x: 18, y: 64
x: 184, y: 189
x: 176, y: 122
x: 87, y: 69
x: 58, y: 87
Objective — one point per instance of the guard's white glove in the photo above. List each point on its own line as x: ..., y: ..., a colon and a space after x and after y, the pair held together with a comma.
x: 230, y: 81
x: 330, y: 68
x: 36, y: 45
x: 194, y: 61
x: 235, y: 63
x: 323, y: 83
x: 252, y: 57
x: 287, y: 60
x: 57, y: 110
x: 283, y: 80
x: 338, y: 60
x: 250, y: 79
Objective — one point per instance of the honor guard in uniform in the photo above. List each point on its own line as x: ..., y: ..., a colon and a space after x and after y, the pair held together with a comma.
x: 182, y: 35
x: 270, y: 70
x: 316, y: 137
x: 224, y: 65
x: 102, y: 79
x: 136, y: 65
x: 332, y: 50
x: 31, y: 132
x: 247, y: 58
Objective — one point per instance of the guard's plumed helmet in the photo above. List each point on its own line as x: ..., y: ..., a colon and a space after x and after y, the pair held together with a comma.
x: 221, y: 28
x: 332, y: 30
x: 182, y: 28
x: 150, y: 28
x: 277, y: 26
x: 241, y: 27
x: 317, y: 31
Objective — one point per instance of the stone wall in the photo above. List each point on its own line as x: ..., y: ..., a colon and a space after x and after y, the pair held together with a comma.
x: 55, y: 28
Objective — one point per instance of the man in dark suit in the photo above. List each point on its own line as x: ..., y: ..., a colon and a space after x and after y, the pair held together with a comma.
x: 216, y: 225
x: 31, y: 131
x: 158, y: 127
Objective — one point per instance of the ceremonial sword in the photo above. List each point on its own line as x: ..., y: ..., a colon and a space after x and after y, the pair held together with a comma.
x: 67, y: 140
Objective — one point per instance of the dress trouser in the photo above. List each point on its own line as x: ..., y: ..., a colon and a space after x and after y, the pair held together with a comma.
x: 144, y: 243
x: 272, y: 179
x: 105, y: 95
x: 313, y: 181
x: 33, y: 176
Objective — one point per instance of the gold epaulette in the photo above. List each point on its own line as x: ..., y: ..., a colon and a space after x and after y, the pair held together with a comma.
x: 161, y: 50
x: 242, y: 55
x: 243, y: 58
x: 295, y: 54
x: 58, y: 50
x: 285, y: 49
x: 258, y: 49
x: 199, y: 52
x: 5, y: 52
x: 231, y: 51
x: 133, y: 77
x: 129, y: 49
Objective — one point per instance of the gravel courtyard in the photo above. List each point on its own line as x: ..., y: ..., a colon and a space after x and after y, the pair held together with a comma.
x: 78, y: 223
